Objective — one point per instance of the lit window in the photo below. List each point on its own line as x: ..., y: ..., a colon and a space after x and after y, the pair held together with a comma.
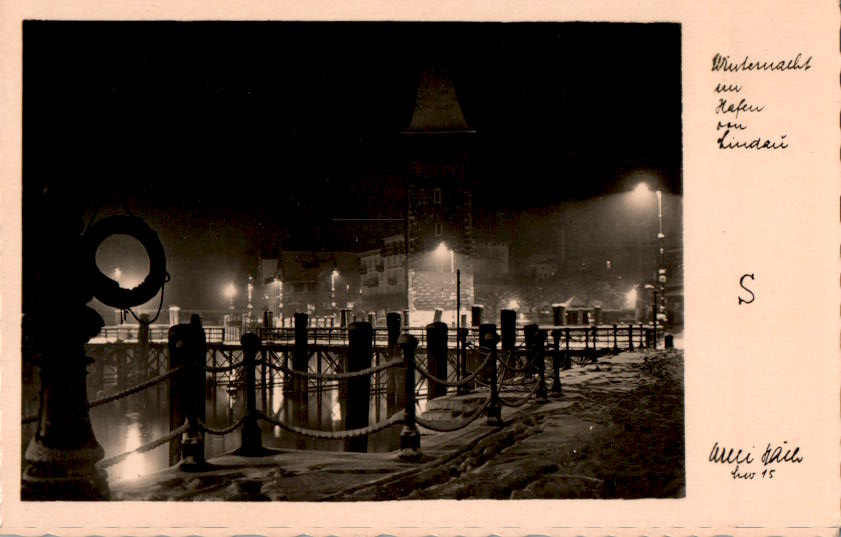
x: 439, y: 229
x: 436, y: 196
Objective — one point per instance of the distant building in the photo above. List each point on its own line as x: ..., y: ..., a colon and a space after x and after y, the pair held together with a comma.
x: 541, y: 267
x: 440, y: 201
x: 383, y: 276
x: 313, y: 282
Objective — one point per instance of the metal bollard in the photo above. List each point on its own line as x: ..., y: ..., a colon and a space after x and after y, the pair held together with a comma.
x: 360, y: 336
x: 409, y: 435
x: 556, y: 361
x: 462, y: 360
x: 61, y: 458
x: 251, y: 444
x: 540, y: 343
x: 489, y: 339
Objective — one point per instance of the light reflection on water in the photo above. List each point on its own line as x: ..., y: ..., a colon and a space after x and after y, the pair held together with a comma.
x: 138, y: 419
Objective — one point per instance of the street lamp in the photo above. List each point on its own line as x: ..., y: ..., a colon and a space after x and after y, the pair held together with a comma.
x: 442, y: 251
x: 230, y: 292
x: 117, y: 274
x: 641, y: 192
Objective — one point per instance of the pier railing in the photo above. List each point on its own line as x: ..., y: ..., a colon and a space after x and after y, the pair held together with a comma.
x: 358, y: 360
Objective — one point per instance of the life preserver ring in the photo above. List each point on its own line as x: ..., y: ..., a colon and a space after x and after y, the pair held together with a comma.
x: 109, y: 291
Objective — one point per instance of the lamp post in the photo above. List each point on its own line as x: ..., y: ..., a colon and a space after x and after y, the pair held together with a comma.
x: 250, y: 291
x: 641, y: 192
x: 654, y: 308
x: 661, y: 271
x: 333, y: 276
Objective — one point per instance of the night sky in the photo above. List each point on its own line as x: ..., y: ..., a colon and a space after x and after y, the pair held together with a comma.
x: 234, y: 139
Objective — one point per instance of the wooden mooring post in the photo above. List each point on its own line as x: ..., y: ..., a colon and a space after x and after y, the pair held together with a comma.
x: 396, y: 390
x: 360, y: 336
x: 436, y: 358
x: 409, y: 435
x: 187, y: 348
x: 300, y: 362
x: 251, y: 444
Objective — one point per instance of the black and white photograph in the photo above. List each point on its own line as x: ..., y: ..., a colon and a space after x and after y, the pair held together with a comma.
x: 311, y: 261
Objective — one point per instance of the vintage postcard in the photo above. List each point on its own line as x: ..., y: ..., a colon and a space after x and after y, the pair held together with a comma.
x: 454, y: 269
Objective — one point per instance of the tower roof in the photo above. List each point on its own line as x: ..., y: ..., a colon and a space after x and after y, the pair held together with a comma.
x: 436, y: 106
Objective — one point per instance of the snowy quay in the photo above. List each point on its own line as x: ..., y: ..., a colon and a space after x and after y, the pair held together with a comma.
x: 612, y: 428
x: 304, y: 419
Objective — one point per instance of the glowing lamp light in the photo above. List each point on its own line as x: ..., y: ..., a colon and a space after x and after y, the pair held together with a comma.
x: 641, y: 193
x: 230, y: 291
x: 631, y: 298
x: 442, y: 250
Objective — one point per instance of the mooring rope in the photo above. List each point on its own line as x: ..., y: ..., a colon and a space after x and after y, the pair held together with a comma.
x: 222, y: 430
x: 462, y: 382
x: 525, y: 399
x: 432, y: 426
x: 116, y: 459
x: 136, y: 388
x: 515, y: 369
x: 335, y: 435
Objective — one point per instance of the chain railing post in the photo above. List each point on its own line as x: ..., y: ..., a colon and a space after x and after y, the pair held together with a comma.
x: 462, y: 360
x: 396, y: 394
x: 631, y: 337
x: 436, y: 358
x: 252, y: 442
x: 615, y: 338
x: 360, y: 337
x: 586, y: 341
x: 530, y: 338
x: 567, y: 356
x: 409, y: 435
x: 178, y: 385
x: 540, y: 361
x: 642, y: 336
x: 556, y: 360
x: 489, y: 339
x: 594, y: 357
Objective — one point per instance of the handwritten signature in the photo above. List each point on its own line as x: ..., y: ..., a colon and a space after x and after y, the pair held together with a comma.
x: 739, y: 457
